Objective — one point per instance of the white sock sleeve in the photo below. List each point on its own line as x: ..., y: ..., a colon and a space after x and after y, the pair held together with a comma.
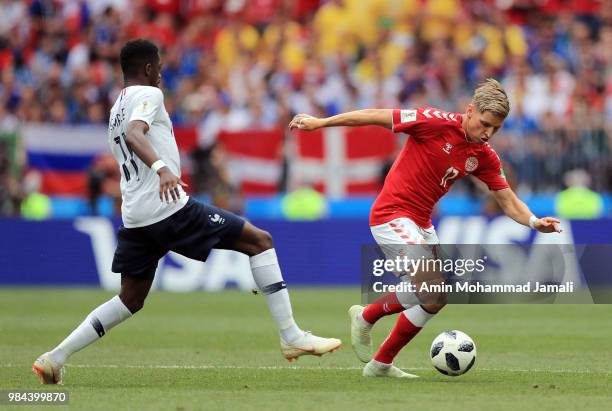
x: 407, y: 298
x: 418, y: 316
x: 97, y: 323
x: 269, y: 280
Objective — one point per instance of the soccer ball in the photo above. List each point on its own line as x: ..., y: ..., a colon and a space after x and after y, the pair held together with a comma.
x: 453, y: 353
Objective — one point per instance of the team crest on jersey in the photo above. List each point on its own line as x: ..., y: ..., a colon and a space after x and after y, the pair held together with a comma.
x: 407, y: 116
x: 215, y: 219
x: 144, y: 107
x: 471, y: 164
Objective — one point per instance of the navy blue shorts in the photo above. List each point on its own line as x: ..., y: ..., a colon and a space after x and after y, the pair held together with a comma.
x: 192, y: 231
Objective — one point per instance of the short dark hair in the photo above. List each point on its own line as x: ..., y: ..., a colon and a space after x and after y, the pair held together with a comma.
x: 135, y: 54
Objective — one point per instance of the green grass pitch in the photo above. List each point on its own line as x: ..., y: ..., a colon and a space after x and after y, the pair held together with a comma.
x: 220, y: 351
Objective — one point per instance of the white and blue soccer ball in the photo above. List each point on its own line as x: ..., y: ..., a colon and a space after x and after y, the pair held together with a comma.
x: 453, y: 353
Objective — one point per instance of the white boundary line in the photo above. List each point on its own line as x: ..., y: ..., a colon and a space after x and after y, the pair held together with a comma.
x: 317, y: 368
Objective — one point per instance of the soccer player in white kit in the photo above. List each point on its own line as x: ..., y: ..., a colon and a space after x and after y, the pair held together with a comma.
x: 158, y: 216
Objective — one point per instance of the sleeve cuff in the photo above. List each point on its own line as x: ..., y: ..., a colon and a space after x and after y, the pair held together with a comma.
x: 394, y: 119
x: 146, y: 120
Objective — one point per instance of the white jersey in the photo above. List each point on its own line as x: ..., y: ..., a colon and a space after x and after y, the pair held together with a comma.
x: 141, y: 204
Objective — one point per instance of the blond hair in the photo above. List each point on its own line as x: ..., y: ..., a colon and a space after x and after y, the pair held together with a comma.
x: 491, y: 96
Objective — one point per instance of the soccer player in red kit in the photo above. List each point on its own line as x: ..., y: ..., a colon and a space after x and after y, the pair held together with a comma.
x: 443, y: 147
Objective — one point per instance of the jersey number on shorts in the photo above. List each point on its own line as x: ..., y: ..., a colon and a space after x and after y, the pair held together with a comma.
x: 451, y: 173
x: 124, y: 166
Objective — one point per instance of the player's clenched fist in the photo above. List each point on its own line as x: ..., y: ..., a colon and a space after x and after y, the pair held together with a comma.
x: 305, y: 122
x: 168, y: 185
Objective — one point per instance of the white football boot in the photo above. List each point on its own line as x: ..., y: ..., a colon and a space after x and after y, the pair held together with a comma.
x: 376, y: 369
x: 47, y: 370
x: 309, y: 344
x: 361, y: 338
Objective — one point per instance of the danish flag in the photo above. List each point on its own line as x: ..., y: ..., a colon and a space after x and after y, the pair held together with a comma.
x: 342, y: 161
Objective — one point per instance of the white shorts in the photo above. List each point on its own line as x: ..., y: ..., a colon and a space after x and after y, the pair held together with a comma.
x: 401, y: 238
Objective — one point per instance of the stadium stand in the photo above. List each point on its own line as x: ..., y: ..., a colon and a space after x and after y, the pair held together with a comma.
x: 235, y: 72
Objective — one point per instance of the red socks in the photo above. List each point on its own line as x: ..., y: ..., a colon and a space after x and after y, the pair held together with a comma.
x: 402, y: 333
x: 386, y: 305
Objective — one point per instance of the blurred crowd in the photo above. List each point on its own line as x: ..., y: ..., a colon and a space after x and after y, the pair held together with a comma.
x: 253, y: 64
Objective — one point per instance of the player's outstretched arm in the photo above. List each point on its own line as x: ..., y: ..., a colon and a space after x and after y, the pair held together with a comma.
x: 368, y: 117
x: 518, y: 211
x: 138, y: 142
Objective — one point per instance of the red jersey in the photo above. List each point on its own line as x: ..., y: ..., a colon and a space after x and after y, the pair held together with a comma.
x: 435, y: 156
